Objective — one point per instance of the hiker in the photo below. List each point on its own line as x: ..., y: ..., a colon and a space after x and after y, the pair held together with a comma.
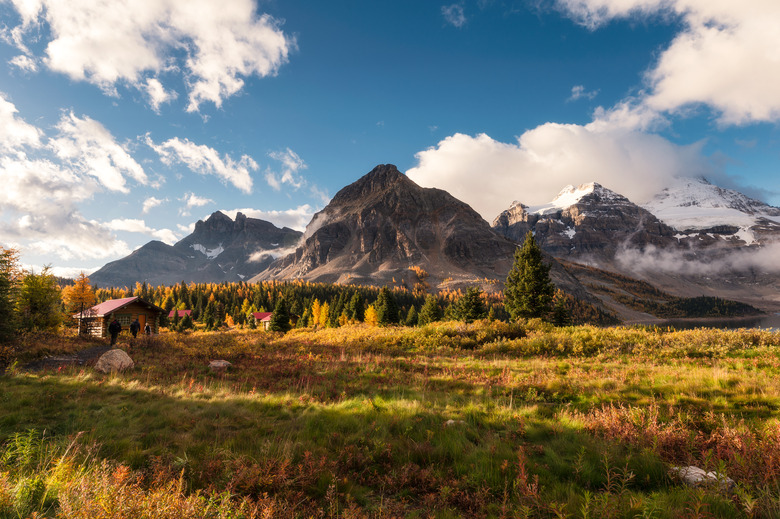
x: 147, y: 329
x: 135, y: 327
x: 114, y: 328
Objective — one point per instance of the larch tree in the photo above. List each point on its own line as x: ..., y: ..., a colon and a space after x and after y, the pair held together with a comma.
x: 529, y: 291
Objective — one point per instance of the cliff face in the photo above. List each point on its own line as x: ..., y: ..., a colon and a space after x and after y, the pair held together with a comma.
x: 219, y: 249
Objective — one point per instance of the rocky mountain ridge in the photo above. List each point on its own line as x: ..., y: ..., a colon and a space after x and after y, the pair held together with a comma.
x: 219, y: 249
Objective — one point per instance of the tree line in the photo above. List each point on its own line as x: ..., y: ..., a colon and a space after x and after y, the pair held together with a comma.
x: 42, y: 302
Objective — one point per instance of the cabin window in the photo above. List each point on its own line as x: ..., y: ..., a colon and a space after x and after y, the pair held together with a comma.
x: 124, y: 319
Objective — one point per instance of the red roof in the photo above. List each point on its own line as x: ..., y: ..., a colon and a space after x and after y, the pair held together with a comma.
x: 262, y: 316
x: 112, y: 305
x: 182, y: 313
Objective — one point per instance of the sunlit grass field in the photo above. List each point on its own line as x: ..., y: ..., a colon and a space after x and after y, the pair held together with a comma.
x: 448, y: 420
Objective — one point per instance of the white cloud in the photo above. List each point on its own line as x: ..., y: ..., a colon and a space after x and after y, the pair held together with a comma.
x: 157, y: 94
x: 296, y: 218
x: 63, y: 272
x: 291, y: 165
x: 139, y: 226
x: 214, y: 45
x: 454, y: 15
x: 727, y: 56
x: 193, y: 200
x: 206, y: 161
x: 152, y: 202
x: 65, y: 235
x: 189, y: 229
x: 651, y: 260
x: 39, y: 195
x: 14, y: 131
x: 24, y: 63
x: 489, y: 175
x: 579, y: 92
x: 89, y: 147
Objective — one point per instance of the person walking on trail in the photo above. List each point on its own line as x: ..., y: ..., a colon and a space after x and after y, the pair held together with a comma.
x: 135, y: 327
x: 147, y: 329
x: 114, y: 328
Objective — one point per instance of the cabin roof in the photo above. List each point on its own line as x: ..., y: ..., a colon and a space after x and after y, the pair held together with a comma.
x: 112, y: 305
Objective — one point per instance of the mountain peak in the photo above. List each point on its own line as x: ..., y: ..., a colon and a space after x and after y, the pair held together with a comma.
x: 379, y: 179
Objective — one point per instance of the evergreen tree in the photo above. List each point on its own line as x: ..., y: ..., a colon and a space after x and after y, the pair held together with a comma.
x: 411, y: 317
x: 9, y: 272
x: 305, y: 319
x: 430, y: 311
x: 356, y: 310
x: 528, y: 291
x: 175, y: 319
x: 280, y: 319
x: 210, y: 316
x: 185, y: 323
x: 470, y: 306
x: 386, y: 307
x: 560, y: 313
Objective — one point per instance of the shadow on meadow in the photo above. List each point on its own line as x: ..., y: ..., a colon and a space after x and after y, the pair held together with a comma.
x: 447, y: 421
x: 364, y: 452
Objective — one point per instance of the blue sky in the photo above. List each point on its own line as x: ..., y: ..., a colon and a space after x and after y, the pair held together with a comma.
x: 123, y: 126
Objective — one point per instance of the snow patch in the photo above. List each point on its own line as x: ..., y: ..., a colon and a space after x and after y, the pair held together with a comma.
x: 570, y: 232
x: 209, y: 253
x: 746, y: 235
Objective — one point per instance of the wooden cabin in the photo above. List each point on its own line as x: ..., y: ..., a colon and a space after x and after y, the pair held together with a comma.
x: 262, y: 319
x: 95, y: 320
x: 181, y: 313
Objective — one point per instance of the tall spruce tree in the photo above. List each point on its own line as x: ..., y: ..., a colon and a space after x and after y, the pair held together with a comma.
x: 280, y: 319
x: 528, y: 291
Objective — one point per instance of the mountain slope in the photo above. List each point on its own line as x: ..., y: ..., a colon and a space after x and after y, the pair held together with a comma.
x: 219, y: 249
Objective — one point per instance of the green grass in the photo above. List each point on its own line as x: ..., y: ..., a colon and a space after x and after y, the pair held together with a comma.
x: 353, y: 422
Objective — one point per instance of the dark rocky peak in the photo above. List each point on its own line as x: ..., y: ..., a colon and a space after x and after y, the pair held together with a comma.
x: 217, y: 222
x: 240, y: 221
x: 382, y: 178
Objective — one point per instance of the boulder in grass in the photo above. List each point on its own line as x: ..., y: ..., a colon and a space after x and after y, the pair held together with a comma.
x: 697, y: 478
x: 114, y: 361
x: 219, y: 365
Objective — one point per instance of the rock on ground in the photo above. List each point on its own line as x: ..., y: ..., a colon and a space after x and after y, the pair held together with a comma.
x: 696, y: 477
x: 113, y: 361
x: 219, y: 365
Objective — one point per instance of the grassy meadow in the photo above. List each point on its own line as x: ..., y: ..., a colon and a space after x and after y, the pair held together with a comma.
x: 447, y: 420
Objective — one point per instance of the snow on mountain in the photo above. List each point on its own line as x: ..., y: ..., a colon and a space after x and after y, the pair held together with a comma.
x: 695, y: 204
x: 209, y: 253
x: 568, y: 196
